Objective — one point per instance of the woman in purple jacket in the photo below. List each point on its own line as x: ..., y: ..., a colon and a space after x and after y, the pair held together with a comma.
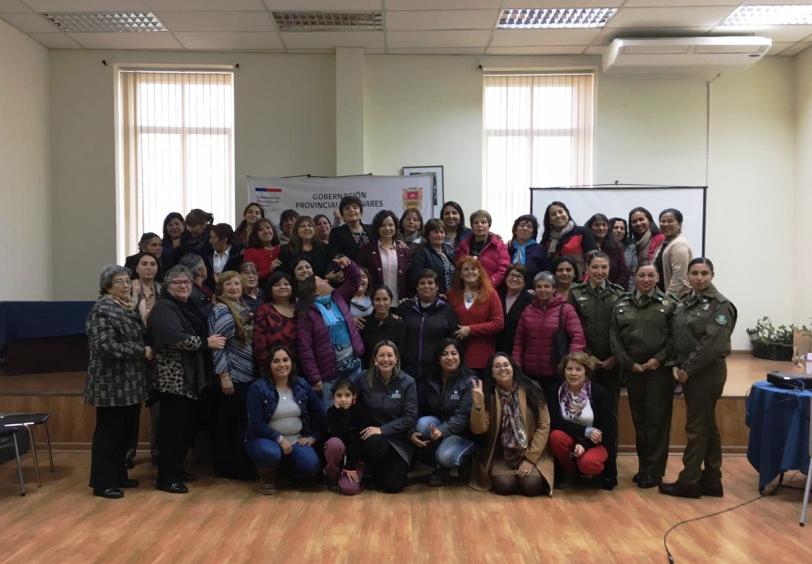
x: 330, y: 346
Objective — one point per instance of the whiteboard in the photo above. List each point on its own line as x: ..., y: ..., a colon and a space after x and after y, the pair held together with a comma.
x: 617, y: 201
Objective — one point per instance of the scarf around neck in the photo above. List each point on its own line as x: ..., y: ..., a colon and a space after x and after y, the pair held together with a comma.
x: 573, y: 404
x: 521, y: 256
x: 512, y: 433
x: 557, y: 235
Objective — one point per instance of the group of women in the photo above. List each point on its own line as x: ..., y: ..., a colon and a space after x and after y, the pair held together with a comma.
x: 350, y: 352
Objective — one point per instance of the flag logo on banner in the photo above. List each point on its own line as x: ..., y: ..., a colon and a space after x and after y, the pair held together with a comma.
x: 412, y: 197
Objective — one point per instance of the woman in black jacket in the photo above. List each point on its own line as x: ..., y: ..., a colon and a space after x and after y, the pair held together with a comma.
x: 442, y: 434
x: 348, y: 239
x: 514, y: 297
x: 583, y: 429
x: 435, y: 254
x: 563, y: 238
x: 381, y: 325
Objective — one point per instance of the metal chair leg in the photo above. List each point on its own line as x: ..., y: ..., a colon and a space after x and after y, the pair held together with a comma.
x: 34, y: 453
x: 50, y: 450
x: 19, y: 464
x: 805, y: 505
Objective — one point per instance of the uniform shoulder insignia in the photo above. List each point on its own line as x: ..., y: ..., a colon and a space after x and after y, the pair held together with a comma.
x: 722, y: 320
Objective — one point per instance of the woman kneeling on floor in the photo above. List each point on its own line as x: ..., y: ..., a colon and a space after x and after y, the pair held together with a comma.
x: 583, y: 434
x: 515, y: 457
x: 285, y: 418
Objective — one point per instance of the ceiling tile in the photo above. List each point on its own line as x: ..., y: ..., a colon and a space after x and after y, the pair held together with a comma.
x: 13, y: 7
x: 206, y: 5
x: 667, y: 3
x: 534, y: 37
x: 331, y: 5
x: 779, y: 46
x: 670, y: 17
x: 797, y: 49
x: 330, y: 39
x: 145, y: 40
x: 229, y: 41
x: 87, y: 5
x: 606, y: 36
x: 441, y: 19
x: 441, y: 4
x: 776, y: 32
x: 216, y: 21
x: 31, y: 23
x: 437, y: 51
x: 458, y: 38
x: 55, y: 40
x: 538, y: 50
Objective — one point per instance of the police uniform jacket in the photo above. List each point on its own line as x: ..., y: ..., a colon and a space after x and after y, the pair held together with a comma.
x: 641, y: 328
x: 594, y: 307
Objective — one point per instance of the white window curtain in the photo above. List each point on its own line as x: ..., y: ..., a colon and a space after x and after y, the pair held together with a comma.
x: 537, y: 132
x: 176, y: 148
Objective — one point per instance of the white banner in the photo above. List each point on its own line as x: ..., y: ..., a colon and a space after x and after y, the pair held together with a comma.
x: 312, y: 195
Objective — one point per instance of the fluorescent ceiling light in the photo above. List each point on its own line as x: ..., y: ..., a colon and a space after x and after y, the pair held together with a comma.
x: 749, y: 16
x: 537, y: 18
x: 329, y: 21
x: 105, y: 22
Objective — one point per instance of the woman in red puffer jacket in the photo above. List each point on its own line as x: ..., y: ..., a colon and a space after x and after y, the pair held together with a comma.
x: 534, y: 344
x: 487, y: 247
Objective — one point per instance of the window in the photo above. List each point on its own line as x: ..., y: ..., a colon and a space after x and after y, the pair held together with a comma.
x: 537, y: 132
x: 175, y: 147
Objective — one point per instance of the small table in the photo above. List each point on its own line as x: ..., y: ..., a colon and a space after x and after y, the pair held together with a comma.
x: 12, y: 432
x: 29, y: 420
x: 779, y: 430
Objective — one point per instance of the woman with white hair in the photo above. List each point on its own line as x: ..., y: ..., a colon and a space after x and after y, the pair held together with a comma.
x: 116, y: 379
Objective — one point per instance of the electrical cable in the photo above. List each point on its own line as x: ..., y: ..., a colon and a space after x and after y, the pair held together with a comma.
x: 668, y: 532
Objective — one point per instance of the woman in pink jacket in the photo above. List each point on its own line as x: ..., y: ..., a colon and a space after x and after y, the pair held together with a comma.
x: 487, y: 247
x: 534, y: 347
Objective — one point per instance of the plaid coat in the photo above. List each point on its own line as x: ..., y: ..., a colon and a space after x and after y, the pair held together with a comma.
x: 117, y: 371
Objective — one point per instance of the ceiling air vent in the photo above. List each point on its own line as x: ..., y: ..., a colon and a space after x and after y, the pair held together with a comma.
x: 329, y: 21
x: 100, y: 22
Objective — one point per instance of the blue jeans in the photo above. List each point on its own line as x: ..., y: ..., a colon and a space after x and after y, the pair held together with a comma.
x: 453, y: 450
x: 303, y: 460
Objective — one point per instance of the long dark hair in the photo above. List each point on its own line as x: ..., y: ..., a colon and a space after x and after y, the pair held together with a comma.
x: 266, y: 367
x: 295, y: 243
x: 457, y: 207
x: 244, y: 224
x: 533, y: 392
x: 305, y: 294
x: 253, y: 239
x: 609, y: 242
x: 436, y: 370
x: 548, y: 228
x: 571, y: 262
x: 652, y: 226
x: 273, y: 279
x: 627, y: 238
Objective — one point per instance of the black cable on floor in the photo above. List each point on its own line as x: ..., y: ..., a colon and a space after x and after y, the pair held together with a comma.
x: 668, y: 532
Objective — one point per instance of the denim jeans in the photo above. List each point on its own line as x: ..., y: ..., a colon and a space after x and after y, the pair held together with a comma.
x: 302, y: 460
x: 452, y: 451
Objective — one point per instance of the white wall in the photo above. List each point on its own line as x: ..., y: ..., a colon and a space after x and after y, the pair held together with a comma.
x: 802, y: 256
x: 284, y: 125
x: 25, y: 206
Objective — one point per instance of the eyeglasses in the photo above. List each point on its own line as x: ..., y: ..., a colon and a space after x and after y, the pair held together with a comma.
x: 181, y: 282
x: 122, y: 282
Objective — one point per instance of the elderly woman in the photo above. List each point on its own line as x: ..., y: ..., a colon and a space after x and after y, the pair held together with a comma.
x: 234, y: 366
x: 548, y: 329
x: 178, y: 332
x: 675, y: 254
x: 330, y: 346
x: 389, y: 397
x: 411, y: 226
x: 513, y: 416
x: 641, y: 341
x: 251, y: 292
x: 436, y: 254
x: 583, y: 435
x: 285, y: 418
x: 477, y: 306
x: 116, y: 380
x: 701, y: 329
x: 442, y: 435
x: 202, y: 293
x: 488, y: 248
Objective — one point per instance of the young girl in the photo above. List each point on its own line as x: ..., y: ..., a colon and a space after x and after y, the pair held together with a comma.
x: 342, y: 451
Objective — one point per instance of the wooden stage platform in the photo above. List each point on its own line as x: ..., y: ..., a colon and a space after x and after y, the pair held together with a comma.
x: 72, y: 423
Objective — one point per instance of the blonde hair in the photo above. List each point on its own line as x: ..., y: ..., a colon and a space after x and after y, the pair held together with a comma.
x: 243, y: 333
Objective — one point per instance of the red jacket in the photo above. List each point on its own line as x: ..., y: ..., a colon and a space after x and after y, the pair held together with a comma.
x: 485, y: 320
x: 494, y: 257
x: 263, y: 258
x: 533, y: 344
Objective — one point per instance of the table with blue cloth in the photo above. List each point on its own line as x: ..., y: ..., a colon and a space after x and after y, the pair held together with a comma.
x: 778, y: 419
x: 44, y: 336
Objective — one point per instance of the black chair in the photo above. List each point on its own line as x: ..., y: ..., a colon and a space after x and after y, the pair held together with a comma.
x: 29, y: 421
x: 14, y: 440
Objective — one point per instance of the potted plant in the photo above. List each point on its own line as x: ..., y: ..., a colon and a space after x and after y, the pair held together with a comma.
x: 771, y: 342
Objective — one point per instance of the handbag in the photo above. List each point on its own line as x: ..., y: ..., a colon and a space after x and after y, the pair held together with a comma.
x: 561, y: 339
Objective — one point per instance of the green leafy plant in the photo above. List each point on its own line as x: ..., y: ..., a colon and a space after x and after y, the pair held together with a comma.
x: 766, y: 333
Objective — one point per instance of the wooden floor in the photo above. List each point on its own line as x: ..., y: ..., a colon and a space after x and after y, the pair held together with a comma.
x: 222, y: 521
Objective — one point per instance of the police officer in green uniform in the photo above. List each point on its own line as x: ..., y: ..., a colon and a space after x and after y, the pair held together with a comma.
x: 641, y: 343
x: 594, y: 300
x: 701, y: 332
